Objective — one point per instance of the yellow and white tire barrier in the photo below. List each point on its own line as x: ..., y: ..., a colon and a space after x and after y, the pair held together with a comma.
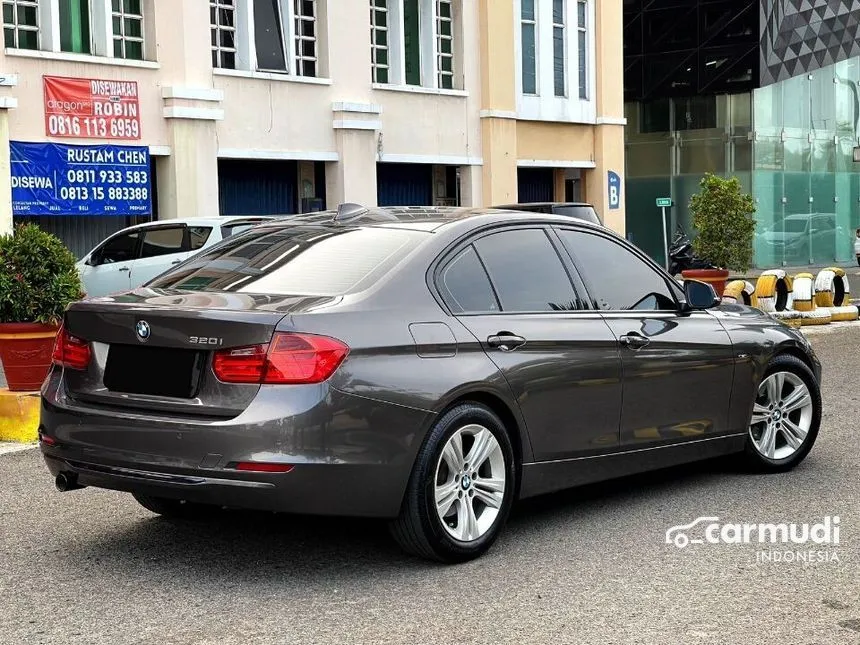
x: 803, y: 291
x: 773, y: 291
x: 739, y: 291
x: 844, y: 314
x: 815, y: 317
x: 790, y: 317
x: 831, y: 288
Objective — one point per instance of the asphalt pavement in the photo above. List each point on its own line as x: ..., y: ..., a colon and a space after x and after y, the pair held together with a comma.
x: 587, y: 566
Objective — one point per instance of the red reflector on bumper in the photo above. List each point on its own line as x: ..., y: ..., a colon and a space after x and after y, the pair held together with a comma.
x: 48, y: 441
x: 257, y: 467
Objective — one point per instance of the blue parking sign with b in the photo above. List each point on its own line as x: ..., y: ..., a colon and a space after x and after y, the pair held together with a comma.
x: 614, y: 190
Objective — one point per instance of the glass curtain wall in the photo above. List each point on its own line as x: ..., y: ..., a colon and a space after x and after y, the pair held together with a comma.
x: 806, y: 186
x: 791, y: 145
x: 670, y: 145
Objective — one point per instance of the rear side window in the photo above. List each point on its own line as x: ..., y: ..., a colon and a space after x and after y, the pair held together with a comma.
x: 197, y: 236
x: 295, y: 260
x: 162, y: 241
x: 526, y: 271
x: 618, y: 279
x: 465, y: 286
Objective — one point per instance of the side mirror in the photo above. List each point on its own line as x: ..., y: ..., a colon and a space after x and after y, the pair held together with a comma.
x: 700, y: 295
x: 92, y: 261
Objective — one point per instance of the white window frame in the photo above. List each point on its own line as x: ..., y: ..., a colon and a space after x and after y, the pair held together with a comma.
x: 375, y: 47
x: 429, y: 46
x: 519, y: 39
x: 101, y: 30
x: 563, y: 25
x: 545, y: 106
x: 587, y: 29
x: 246, y: 47
x: 218, y: 49
x: 18, y: 27
x: 122, y: 37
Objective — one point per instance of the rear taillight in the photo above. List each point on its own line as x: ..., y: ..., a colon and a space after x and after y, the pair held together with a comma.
x: 70, y: 351
x: 289, y: 358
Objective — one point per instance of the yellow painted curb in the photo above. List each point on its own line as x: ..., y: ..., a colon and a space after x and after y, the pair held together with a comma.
x: 19, y: 416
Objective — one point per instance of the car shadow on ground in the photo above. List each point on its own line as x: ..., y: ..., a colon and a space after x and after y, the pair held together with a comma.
x: 236, y: 545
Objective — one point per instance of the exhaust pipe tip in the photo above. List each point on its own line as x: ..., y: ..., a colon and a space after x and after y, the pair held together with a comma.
x: 66, y: 482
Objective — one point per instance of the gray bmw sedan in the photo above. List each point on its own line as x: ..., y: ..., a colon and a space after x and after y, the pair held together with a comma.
x: 425, y: 365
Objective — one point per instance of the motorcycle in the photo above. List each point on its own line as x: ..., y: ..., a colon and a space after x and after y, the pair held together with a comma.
x: 681, y: 256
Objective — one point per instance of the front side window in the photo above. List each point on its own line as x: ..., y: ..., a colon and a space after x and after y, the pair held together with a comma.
x: 528, y: 28
x: 295, y: 260
x: 618, y: 279
x: 544, y: 286
x: 222, y: 24
x: 162, y: 241
x: 121, y: 248
x: 127, y: 17
x: 21, y: 24
x: 465, y: 286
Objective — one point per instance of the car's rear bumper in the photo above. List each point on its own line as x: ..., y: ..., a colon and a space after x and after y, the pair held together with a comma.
x: 346, y: 490
x: 350, y: 455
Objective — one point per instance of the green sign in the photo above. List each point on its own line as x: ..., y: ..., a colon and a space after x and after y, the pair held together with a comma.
x: 664, y: 202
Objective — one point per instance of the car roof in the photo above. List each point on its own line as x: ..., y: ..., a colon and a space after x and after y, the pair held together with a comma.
x: 425, y: 218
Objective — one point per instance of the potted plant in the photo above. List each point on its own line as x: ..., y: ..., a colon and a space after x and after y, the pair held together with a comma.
x: 38, y: 279
x: 722, y: 216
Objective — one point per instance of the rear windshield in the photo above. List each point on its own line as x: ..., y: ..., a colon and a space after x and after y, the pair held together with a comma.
x: 294, y: 260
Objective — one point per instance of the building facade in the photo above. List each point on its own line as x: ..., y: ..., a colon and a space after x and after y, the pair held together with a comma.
x: 765, y: 90
x: 286, y: 106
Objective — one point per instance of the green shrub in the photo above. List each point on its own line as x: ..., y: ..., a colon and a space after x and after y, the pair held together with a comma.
x: 38, y: 278
x: 722, y: 217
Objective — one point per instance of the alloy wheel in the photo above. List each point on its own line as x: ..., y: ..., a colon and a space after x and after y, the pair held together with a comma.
x: 470, y: 482
x: 782, y: 416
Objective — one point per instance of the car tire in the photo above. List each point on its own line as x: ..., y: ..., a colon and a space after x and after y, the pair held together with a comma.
x: 420, y: 528
x: 795, y: 374
x: 175, y: 508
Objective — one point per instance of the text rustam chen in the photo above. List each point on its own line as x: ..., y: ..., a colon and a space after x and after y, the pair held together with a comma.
x: 96, y: 156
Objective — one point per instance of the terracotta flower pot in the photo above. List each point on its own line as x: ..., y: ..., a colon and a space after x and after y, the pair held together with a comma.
x: 715, y: 277
x: 25, y: 351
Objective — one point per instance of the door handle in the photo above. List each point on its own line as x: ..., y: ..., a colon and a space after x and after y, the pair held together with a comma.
x: 634, y: 341
x: 176, y: 262
x: 123, y: 269
x: 506, y: 341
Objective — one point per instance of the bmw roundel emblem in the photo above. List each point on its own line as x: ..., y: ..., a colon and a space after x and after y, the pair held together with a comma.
x: 142, y: 329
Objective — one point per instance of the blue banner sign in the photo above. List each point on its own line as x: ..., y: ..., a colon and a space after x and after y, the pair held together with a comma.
x: 57, y: 179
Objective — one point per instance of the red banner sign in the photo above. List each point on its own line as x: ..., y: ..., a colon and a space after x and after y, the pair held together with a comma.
x: 84, y: 108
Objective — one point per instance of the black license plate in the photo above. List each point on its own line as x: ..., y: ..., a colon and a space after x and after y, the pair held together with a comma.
x: 155, y: 371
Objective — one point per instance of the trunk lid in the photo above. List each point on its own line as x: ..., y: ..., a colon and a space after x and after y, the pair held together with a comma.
x: 152, y: 349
